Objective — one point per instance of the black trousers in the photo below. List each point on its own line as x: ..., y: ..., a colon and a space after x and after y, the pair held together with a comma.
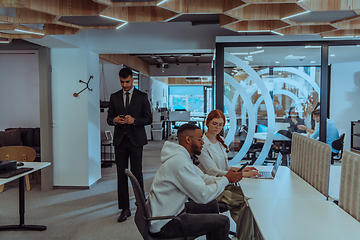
x: 122, y: 154
x: 198, y: 219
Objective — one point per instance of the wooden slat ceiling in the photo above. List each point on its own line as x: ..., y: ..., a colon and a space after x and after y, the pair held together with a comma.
x: 22, y: 19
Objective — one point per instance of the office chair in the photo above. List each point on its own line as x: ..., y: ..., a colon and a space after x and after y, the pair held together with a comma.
x: 20, y: 154
x: 338, y: 144
x: 142, y: 216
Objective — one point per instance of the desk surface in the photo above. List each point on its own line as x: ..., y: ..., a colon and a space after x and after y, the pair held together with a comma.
x: 277, y: 137
x: 300, y: 219
x: 35, y: 165
x: 286, y: 184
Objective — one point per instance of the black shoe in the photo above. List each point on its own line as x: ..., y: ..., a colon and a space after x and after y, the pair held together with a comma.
x: 123, y: 215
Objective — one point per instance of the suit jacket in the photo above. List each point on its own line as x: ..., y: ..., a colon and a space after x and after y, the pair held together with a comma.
x: 139, y: 108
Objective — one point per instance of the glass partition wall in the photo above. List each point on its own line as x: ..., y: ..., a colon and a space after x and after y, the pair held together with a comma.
x: 267, y: 91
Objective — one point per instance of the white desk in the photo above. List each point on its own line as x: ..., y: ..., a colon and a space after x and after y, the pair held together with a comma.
x: 286, y: 184
x: 277, y: 137
x: 22, y: 226
x: 299, y: 219
x: 334, y: 185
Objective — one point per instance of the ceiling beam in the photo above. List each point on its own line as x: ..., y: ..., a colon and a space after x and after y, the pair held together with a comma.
x: 202, y: 6
x: 130, y: 61
x: 256, y: 25
x: 305, y: 29
x: 26, y: 16
x: 140, y: 14
x: 267, y: 11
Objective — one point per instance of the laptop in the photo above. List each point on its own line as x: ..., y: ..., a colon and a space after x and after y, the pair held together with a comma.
x: 271, y: 175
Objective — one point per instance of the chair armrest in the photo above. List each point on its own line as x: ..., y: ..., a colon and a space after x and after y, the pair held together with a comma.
x: 169, y: 217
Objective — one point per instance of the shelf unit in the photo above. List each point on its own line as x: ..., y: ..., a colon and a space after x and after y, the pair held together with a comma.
x: 355, y: 136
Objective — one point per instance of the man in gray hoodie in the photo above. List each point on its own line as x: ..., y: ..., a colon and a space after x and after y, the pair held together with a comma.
x: 182, y: 189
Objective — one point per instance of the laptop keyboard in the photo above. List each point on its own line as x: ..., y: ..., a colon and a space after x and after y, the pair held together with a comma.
x: 15, y: 172
x: 265, y: 174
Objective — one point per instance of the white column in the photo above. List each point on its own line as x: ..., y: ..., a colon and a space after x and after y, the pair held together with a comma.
x: 76, y: 120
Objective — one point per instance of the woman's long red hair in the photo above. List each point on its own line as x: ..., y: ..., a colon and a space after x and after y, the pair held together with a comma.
x: 217, y: 114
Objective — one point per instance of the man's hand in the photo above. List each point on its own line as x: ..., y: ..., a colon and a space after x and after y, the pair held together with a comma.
x: 124, y: 119
x: 129, y: 119
x: 301, y: 127
x: 119, y: 120
x: 233, y: 176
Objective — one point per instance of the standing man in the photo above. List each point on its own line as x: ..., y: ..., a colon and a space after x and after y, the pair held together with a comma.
x: 129, y: 112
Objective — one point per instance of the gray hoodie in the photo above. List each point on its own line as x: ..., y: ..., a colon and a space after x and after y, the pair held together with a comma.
x: 177, y: 180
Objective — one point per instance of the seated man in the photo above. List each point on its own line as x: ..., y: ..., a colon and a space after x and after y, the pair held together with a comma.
x: 331, y: 130
x: 182, y: 189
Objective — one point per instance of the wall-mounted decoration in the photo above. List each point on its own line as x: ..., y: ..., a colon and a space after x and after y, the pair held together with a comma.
x: 87, y: 86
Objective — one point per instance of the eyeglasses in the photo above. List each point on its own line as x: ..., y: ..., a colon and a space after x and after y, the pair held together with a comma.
x: 200, y: 138
x: 217, y: 124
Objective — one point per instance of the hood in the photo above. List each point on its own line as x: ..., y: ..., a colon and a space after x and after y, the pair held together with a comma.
x: 171, y: 149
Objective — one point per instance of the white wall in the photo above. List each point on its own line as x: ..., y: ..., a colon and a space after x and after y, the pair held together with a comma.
x: 19, y: 89
x: 111, y: 73
x: 76, y: 120
x: 159, y: 93
x: 345, y: 97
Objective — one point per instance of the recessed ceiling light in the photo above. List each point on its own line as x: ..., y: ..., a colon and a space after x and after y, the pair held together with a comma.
x: 19, y: 30
x: 111, y: 18
x: 294, y: 57
x: 332, y: 55
x: 277, y: 62
x: 312, y: 62
x: 259, y: 47
x: 241, y: 53
x: 256, y: 52
x: 312, y: 46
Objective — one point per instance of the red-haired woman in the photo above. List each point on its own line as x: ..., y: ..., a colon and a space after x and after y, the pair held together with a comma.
x: 214, y: 161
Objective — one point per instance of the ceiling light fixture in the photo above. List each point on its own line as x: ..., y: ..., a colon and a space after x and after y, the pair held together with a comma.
x: 243, y: 53
x: 294, y: 57
x: 312, y: 46
x: 121, y: 25
x: 332, y: 55
x: 298, y: 14
x: 161, y: 2
x: 277, y: 62
x: 312, y: 62
x: 339, y: 37
x: 256, y: 52
x: 259, y: 47
x: 19, y: 30
x: 278, y: 33
x: 111, y: 18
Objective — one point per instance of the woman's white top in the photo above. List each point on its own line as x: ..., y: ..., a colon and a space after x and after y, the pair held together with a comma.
x: 213, y: 158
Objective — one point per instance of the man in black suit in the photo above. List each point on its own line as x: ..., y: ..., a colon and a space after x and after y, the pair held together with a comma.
x: 129, y: 112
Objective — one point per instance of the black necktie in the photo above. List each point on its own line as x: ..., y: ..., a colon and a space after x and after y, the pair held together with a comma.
x: 127, y: 100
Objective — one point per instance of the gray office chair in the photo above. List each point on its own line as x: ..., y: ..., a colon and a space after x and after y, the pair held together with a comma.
x: 338, y: 144
x: 142, y: 216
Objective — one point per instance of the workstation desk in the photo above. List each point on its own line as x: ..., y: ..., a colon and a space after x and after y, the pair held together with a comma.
x: 22, y: 226
x: 287, y: 207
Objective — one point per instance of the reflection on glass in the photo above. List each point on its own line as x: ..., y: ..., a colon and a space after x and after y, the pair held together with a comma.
x: 292, y: 86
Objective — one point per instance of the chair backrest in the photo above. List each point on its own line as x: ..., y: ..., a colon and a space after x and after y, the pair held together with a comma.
x: 18, y: 153
x: 310, y: 159
x: 349, y: 198
x: 338, y: 144
x: 109, y: 136
x: 141, y: 211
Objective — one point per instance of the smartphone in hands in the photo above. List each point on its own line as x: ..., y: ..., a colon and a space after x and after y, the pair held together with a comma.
x: 243, y: 166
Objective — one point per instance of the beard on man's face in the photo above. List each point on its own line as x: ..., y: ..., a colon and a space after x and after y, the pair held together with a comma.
x: 195, y: 149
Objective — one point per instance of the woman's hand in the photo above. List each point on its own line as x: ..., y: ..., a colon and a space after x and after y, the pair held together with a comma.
x: 251, y: 173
